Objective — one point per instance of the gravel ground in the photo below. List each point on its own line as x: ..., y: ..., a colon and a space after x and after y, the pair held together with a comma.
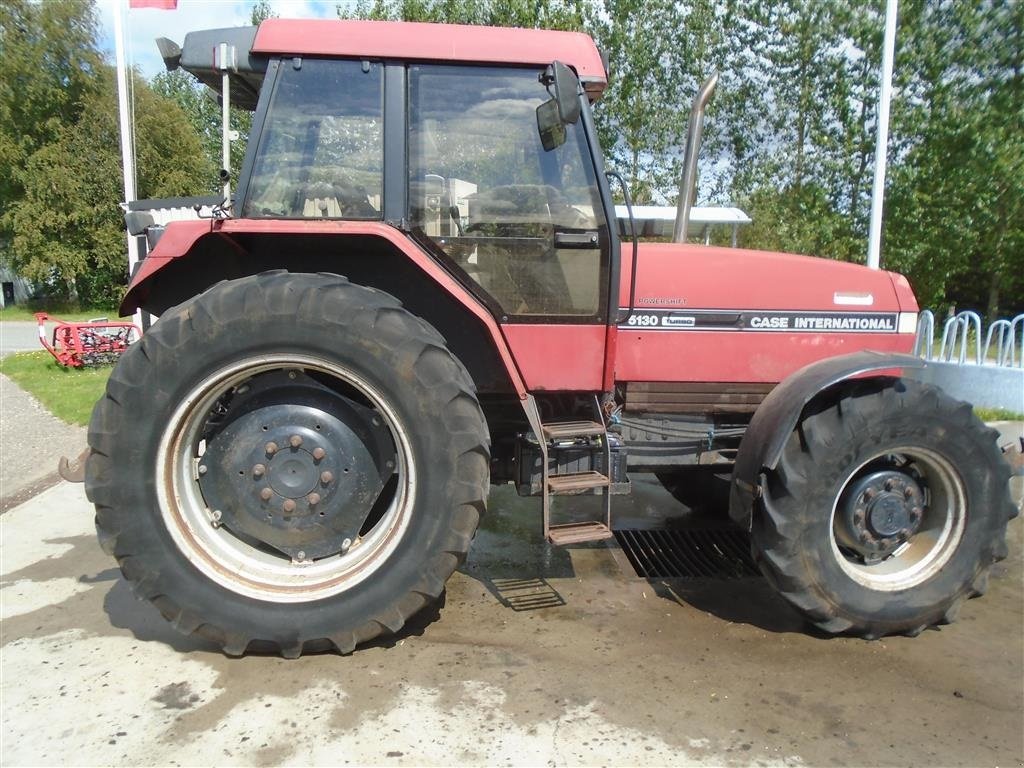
x: 31, y: 442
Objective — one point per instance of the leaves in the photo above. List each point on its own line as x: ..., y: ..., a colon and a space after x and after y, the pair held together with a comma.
x: 789, y: 135
x: 68, y: 227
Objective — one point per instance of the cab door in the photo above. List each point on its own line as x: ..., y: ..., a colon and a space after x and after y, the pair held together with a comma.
x: 523, y: 227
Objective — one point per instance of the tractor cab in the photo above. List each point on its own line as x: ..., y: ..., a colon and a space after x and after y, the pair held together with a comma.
x: 523, y: 225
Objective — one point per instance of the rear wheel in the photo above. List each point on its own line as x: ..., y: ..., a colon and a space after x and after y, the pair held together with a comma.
x: 259, y: 464
x: 885, y: 512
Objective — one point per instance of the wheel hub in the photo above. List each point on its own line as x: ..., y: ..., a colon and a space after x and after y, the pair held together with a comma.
x: 295, y: 465
x: 879, y: 512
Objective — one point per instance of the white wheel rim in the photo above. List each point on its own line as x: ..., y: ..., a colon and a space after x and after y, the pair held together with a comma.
x: 237, y: 565
x: 934, y: 543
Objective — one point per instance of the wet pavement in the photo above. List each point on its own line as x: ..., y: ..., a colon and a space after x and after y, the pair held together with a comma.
x: 536, y: 656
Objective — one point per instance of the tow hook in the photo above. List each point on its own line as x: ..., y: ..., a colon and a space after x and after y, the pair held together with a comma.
x: 73, y: 471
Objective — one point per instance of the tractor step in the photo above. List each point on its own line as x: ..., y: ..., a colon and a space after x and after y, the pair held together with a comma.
x: 553, y: 484
x: 577, y: 533
x: 569, y: 429
x: 577, y: 481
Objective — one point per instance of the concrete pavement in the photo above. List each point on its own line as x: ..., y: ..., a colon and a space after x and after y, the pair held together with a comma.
x: 615, y: 670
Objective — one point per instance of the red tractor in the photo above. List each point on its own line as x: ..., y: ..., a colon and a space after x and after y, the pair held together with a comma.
x: 419, y: 290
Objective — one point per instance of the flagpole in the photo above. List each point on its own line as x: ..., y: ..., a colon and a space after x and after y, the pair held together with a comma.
x: 882, y: 138
x: 124, y: 117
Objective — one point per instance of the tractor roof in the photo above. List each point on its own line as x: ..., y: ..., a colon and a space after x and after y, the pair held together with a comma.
x: 393, y: 40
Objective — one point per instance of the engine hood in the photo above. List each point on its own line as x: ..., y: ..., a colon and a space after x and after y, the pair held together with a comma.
x: 671, y: 275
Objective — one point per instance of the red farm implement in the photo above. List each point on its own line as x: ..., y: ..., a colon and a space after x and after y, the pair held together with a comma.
x: 94, y: 342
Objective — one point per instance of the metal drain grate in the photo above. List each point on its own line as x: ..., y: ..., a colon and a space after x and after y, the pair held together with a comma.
x: 688, y: 554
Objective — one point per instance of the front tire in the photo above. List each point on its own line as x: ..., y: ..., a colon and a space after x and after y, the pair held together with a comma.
x: 885, y: 512
x: 288, y: 462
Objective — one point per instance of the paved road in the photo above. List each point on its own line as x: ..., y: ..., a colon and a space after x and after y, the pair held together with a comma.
x: 31, y: 442
x: 18, y: 336
x: 616, y: 670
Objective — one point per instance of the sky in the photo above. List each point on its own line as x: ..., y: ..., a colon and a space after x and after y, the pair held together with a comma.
x: 144, y: 25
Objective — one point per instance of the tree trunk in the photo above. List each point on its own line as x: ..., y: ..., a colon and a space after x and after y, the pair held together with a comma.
x: 994, y: 281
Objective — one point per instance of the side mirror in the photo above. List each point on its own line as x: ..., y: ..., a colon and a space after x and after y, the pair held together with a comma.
x: 550, y: 125
x: 563, y: 108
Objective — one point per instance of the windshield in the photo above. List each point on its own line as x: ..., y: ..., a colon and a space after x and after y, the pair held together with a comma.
x: 321, y: 152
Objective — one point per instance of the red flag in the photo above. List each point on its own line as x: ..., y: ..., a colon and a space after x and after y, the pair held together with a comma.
x: 165, y: 5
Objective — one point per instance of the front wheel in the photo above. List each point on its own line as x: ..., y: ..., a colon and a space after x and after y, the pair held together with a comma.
x: 885, y: 512
x: 260, y: 464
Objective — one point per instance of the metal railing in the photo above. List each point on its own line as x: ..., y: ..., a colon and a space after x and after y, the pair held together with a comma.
x: 964, y: 343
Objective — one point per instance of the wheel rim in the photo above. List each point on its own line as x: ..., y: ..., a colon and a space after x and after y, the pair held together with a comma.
x: 235, y: 556
x: 898, y: 519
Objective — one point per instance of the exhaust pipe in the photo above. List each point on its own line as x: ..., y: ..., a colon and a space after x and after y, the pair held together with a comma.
x: 688, y: 183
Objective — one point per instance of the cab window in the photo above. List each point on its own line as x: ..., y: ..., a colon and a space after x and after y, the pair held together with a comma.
x: 524, y: 224
x: 321, y: 150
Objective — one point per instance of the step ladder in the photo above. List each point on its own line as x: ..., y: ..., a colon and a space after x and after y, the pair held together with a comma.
x: 555, y: 484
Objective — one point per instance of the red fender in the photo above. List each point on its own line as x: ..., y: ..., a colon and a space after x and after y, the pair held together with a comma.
x: 181, y: 237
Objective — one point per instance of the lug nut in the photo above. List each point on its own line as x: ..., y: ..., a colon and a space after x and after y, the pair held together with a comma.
x: 258, y: 470
x: 295, y: 441
x: 319, y: 453
x: 270, y: 448
x: 203, y: 469
x: 870, y: 493
x: 288, y: 506
x: 889, y: 484
x: 326, y: 477
x: 313, y: 499
x: 908, y: 492
x: 266, y: 494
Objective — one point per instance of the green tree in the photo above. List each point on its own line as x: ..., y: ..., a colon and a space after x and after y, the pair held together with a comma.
x: 68, y: 228
x: 203, y: 111
x: 802, y: 114
x: 659, y: 52
x: 545, y: 14
x: 955, y: 217
x: 48, y: 65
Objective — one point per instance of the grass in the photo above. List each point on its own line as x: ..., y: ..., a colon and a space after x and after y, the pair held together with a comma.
x: 998, y: 414
x: 19, y: 312
x: 68, y: 393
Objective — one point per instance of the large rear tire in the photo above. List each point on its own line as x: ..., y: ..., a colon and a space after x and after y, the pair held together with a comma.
x: 288, y: 462
x: 885, y: 512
